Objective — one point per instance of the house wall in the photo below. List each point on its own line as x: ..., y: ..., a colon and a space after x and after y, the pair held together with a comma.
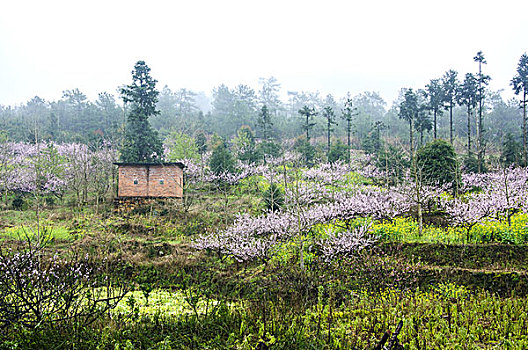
x: 149, y: 180
x: 172, y: 177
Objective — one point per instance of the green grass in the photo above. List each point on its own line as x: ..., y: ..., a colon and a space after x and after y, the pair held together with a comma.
x: 58, y: 233
x: 406, y: 230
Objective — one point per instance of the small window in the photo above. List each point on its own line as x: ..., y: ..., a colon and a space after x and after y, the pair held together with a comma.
x: 136, y: 182
x: 162, y: 182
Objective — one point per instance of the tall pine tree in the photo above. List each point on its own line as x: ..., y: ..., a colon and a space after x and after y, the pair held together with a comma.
x: 141, y: 143
x: 520, y: 85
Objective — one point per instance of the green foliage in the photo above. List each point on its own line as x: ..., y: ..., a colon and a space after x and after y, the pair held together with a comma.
x: 372, y: 142
x: 305, y: 148
x: 437, y: 162
x: 141, y: 143
x: 308, y: 124
x: 221, y: 159
x: 273, y: 197
x: 201, y: 142
x: 18, y: 202
x: 245, y: 147
x: 511, y: 151
x: 470, y: 164
x: 269, y: 149
x: 264, y: 122
x: 393, y: 161
x: 338, y: 151
x: 409, y: 109
x: 181, y: 146
x: 406, y: 230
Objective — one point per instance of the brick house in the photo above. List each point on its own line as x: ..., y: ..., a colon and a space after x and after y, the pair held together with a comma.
x: 150, y: 180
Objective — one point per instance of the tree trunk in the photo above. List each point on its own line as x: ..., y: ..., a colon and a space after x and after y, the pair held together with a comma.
x: 451, y: 123
x: 411, y: 137
x: 307, y: 127
x: 469, y: 130
x: 525, y: 152
x: 479, y: 135
x: 434, y: 123
x: 328, y: 146
x: 349, y: 129
x: 479, y: 122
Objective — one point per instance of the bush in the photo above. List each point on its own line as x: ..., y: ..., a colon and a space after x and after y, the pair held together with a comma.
x: 221, y: 159
x: 338, y: 151
x: 273, y: 197
x: 18, y: 203
x: 438, y: 162
x: 36, y: 290
x: 305, y: 148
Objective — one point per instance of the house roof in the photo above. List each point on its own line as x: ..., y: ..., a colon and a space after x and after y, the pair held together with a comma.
x: 181, y: 165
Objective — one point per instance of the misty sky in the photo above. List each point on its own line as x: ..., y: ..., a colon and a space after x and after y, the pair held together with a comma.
x: 331, y: 46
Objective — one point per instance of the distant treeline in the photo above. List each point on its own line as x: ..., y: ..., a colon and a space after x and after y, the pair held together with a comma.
x: 74, y: 118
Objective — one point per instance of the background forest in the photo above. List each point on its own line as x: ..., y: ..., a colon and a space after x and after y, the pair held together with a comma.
x: 229, y: 110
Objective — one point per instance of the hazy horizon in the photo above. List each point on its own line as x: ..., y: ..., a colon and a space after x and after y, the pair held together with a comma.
x: 335, y: 47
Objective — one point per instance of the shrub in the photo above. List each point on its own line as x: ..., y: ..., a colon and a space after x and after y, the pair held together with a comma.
x: 36, y: 290
x: 438, y: 162
x: 338, y: 151
x: 273, y: 197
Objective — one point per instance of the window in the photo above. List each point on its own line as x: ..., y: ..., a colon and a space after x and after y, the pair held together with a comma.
x: 162, y: 182
x: 136, y: 182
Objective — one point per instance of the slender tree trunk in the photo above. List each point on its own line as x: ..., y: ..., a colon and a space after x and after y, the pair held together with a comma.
x: 411, y: 137
x: 479, y: 122
x: 525, y: 152
x: 328, y: 148
x: 478, y: 136
x: 307, y: 134
x: 434, y: 123
x: 349, y: 129
x: 469, y: 130
x: 451, y: 123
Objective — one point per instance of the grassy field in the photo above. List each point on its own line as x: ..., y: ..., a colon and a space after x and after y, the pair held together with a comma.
x: 449, y: 293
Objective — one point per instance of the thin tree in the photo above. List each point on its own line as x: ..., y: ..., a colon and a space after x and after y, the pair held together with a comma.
x: 329, y: 114
x: 434, y: 93
x: 520, y: 83
x: 467, y: 96
x: 264, y: 122
x: 482, y: 80
x: 349, y: 112
x: 422, y: 121
x: 308, y: 113
x: 450, y: 87
x: 408, y: 111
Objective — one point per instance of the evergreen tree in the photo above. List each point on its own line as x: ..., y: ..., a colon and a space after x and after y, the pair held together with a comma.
x: 435, y: 97
x: 520, y: 83
x: 338, y: 151
x: 482, y: 80
x: 511, y: 151
x: 349, y: 112
x: 141, y: 144
x: 409, y: 110
x: 245, y: 146
x: 221, y: 160
x: 308, y: 113
x: 467, y: 96
x: 201, y: 142
x: 438, y: 162
x: 450, y: 88
x: 264, y: 123
x: 329, y: 115
x: 422, y: 122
